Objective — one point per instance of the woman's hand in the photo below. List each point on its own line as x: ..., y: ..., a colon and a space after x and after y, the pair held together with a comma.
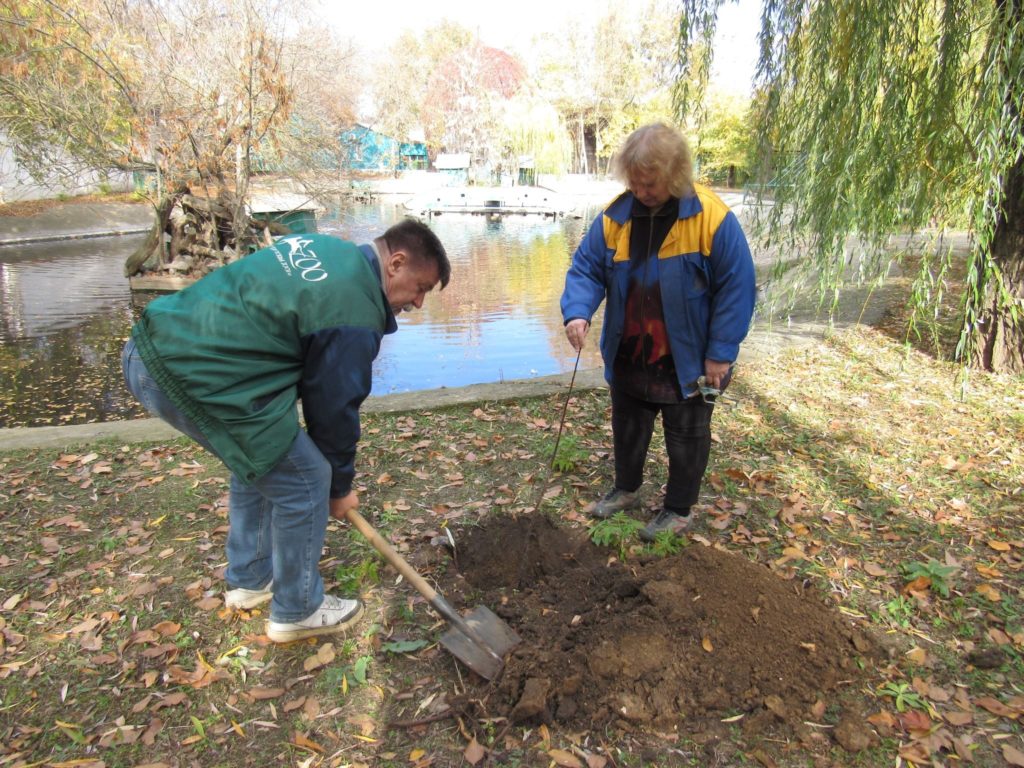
x: 576, y: 332
x: 715, y: 372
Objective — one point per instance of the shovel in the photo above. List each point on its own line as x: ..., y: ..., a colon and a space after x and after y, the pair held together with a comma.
x: 479, y: 640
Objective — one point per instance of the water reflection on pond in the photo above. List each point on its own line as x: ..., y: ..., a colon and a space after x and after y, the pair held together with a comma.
x: 65, y: 310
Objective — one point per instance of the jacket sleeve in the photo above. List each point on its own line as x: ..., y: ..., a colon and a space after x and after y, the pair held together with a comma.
x: 585, y: 282
x: 733, y: 288
x: 336, y: 378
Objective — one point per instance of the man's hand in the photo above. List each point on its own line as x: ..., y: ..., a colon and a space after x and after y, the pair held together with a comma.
x: 340, y: 506
x: 576, y: 332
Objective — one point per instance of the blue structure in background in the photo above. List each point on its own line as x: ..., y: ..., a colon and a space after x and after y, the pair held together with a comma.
x: 412, y: 155
x: 364, y: 149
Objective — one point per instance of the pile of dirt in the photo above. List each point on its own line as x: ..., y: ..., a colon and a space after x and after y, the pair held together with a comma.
x: 656, y: 643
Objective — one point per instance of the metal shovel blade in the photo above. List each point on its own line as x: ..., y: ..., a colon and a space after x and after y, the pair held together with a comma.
x: 486, y: 660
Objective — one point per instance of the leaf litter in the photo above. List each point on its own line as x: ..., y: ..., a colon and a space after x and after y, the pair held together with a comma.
x: 855, y: 586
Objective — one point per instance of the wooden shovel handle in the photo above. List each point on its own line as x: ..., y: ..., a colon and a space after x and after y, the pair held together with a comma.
x: 399, y: 563
x: 394, y: 559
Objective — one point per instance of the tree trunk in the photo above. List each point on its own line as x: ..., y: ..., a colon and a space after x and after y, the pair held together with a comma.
x: 155, y: 238
x: 998, y: 334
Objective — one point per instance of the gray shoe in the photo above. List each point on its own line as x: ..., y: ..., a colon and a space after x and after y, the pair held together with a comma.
x: 244, y: 599
x: 615, y: 501
x: 335, y: 614
x: 666, y: 521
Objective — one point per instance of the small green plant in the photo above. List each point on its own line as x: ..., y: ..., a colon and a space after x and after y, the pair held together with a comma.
x: 569, y: 455
x: 360, y: 668
x: 404, y: 646
x: 351, y: 577
x: 73, y: 731
x: 617, y: 531
x: 934, y: 572
x: 198, y: 727
x: 667, y: 543
x: 341, y: 678
x: 904, y: 697
x: 899, y: 610
x: 109, y: 543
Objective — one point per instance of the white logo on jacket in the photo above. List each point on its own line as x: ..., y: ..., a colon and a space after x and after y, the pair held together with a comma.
x: 306, y: 263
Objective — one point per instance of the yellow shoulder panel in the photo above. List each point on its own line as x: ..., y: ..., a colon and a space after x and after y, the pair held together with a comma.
x: 693, y: 235
x: 616, y: 236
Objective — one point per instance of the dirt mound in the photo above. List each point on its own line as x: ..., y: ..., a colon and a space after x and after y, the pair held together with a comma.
x: 702, y: 635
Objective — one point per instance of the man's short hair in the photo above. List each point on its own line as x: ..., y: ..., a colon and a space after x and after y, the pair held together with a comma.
x: 419, y: 241
x: 660, y: 148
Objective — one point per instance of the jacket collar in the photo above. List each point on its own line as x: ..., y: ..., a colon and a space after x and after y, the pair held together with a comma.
x: 621, y: 208
x: 373, y: 256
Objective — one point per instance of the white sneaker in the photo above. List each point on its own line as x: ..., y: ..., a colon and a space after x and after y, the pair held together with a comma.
x: 335, y: 614
x: 244, y: 599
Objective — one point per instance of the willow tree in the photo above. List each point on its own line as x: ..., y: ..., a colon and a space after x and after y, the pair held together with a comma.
x: 885, y: 116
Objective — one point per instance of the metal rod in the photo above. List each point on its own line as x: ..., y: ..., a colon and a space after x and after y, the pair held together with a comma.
x: 565, y: 407
x: 561, y: 425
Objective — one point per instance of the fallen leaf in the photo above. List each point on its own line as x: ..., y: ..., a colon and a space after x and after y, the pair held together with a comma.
x: 958, y: 717
x: 791, y: 553
x: 988, y: 592
x: 916, y: 753
x: 999, y: 546
x: 11, y: 603
x: 324, y: 656
x: 763, y: 758
x: 170, y: 700
x: 564, y: 759
x: 914, y: 720
x: 999, y: 637
x: 920, y: 584
x: 919, y: 656
x: 706, y: 644
x: 883, y: 718
x: 260, y: 693
x: 301, y: 740
x: 294, y: 704
x: 996, y: 707
x: 474, y: 753
x: 167, y: 628
x: 873, y: 569
x: 1012, y: 755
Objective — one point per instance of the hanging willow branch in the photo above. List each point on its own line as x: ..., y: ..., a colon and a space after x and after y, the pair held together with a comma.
x: 879, y: 117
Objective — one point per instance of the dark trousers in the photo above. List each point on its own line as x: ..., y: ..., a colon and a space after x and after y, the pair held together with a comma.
x: 687, y: 428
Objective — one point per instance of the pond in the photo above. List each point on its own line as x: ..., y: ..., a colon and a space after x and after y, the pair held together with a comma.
x: 66, y: 310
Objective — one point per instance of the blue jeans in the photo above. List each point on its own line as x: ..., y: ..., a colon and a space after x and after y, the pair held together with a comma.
x: 277, y: 524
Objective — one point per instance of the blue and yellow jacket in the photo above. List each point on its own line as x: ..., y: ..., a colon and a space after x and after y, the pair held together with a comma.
x: 235, y: 351
x: 706, y: 275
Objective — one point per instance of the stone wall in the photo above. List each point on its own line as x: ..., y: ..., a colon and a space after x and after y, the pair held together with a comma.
x: 16, y: 184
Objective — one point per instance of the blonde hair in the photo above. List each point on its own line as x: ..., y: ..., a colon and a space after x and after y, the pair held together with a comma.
x: 659, y: 148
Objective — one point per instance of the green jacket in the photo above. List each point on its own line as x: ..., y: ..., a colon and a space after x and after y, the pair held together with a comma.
x: 236, y: 350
